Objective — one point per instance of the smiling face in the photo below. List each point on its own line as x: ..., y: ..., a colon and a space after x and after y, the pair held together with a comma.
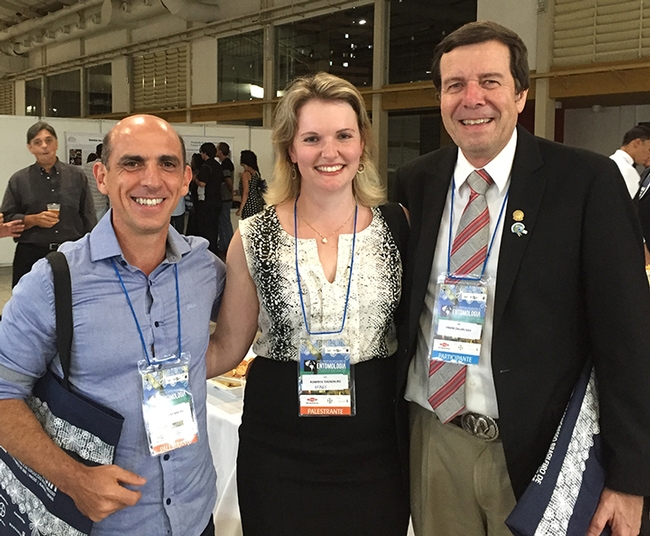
x: 327, y: 147
x: 478, y: 100
x: 44, y: 146
x: 145, y: 176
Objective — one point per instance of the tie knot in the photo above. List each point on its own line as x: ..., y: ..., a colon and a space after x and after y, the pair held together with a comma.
x: 479, y: 181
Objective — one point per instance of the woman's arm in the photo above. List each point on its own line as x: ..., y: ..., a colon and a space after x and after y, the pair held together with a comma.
x: 237, y: 320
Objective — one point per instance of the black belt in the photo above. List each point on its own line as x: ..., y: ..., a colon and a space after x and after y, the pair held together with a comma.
x: 477, y: 425
x: 52, y: 246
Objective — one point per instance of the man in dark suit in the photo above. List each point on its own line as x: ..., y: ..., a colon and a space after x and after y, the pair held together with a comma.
x: 562, y: 269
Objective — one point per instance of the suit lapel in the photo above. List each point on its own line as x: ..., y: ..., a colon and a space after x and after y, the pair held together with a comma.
x: 527, y: 186
x: 434, y: 195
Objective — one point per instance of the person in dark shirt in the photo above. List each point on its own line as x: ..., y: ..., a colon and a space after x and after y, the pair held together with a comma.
x: 47, y: 182
x: 228, y: 168
x: 210, y: 177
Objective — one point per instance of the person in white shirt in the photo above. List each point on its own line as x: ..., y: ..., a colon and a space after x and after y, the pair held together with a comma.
x: 634, y: 151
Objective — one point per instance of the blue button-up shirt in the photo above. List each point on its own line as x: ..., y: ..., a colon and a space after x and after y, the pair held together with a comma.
x: 180, y: 492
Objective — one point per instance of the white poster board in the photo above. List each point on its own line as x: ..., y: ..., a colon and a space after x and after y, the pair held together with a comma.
x: 79, y: 145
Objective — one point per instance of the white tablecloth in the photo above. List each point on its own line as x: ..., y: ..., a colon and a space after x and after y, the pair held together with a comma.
x: 224, y: 418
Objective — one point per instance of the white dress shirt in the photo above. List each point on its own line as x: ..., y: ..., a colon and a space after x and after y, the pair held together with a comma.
x: 480, y: 393
x: 626, y: 164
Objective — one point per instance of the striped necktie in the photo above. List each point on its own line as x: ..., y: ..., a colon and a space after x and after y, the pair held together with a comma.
x: 468, y: 254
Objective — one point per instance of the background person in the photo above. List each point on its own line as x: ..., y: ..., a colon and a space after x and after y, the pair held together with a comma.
x: 316, y: 475
x: 252, y: 200
x: 133, y: 257
x: 210, y: 177
x: 225, y: 224
x: 549, y: 301
x: 635, y: 151
x: 196, y: 162
x: 99, y: 199
x: 11, y: 228
x: 30, y: 190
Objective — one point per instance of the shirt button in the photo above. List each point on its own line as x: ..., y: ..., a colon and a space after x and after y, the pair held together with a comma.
x: 166, y: 457
x: 168, y: 502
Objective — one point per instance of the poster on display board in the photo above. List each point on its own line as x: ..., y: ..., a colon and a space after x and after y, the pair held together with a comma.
x: 79, y: 145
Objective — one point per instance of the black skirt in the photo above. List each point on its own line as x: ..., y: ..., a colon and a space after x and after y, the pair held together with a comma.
x: 312, y: 476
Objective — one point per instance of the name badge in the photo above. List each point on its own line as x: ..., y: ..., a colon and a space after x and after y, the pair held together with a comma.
x: 325, y: 379
x: 168, y: 405
x: 458, y: 318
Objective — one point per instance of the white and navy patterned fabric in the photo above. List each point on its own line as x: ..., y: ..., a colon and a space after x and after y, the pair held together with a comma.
x: 374, y: 294
x: 564, y: 493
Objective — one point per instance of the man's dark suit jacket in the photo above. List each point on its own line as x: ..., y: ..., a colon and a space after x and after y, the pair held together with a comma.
x: 571, y: 290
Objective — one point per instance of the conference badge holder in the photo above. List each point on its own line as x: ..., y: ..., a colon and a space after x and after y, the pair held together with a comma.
x: 325, y: 378
x: 168, y: 405
x: 458, y: 318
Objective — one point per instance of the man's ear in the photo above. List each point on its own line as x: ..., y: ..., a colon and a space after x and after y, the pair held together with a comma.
x: 99, y: 170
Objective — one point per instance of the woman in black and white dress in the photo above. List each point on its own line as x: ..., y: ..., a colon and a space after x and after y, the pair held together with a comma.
x: 252, y: 200
x: 321, y: 259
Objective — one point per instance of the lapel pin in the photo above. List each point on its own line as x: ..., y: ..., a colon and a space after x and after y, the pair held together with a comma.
x: 518, y: 227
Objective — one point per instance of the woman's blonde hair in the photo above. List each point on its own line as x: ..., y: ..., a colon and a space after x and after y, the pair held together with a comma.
x: 366, y: 186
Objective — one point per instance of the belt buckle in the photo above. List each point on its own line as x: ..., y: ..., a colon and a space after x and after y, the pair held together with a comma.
x: 480, y: 426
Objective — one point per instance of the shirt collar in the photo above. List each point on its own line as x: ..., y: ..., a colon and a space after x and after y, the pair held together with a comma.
x: 498, y: 168
x: 56, y: 167
x: 625, y: 156
x: 104, y: 244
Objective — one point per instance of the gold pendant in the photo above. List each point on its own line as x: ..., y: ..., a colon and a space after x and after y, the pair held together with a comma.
x: 324, y: 240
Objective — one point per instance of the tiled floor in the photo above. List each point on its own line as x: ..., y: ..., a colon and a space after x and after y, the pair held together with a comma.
x: 5, y: 285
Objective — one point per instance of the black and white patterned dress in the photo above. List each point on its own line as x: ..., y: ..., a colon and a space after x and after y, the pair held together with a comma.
x: 321, y: 475
x: 254, y: 201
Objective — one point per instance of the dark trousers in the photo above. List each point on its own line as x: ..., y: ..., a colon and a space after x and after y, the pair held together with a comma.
x: 24, y: 258
x: 207, y: 215
x: 209, y: 530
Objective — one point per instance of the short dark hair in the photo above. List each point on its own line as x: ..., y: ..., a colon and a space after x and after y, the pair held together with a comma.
x: 208, y: 148
x: 481, y: 32
x: 639, y: 132
x: 107, y: 148
x: 224, y: 148
x: 37, y: 127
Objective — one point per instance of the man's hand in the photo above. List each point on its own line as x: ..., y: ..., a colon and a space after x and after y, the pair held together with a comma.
x: 621, y: 511
x: 100, y: 491
x: 12, y: 228
x: 45, y: 219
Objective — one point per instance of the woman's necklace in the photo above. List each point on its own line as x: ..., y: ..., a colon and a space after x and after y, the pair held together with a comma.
x: 324, y: 238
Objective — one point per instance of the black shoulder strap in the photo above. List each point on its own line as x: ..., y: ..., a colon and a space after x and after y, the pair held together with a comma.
x: 398, y: 224
x: 63, y: 308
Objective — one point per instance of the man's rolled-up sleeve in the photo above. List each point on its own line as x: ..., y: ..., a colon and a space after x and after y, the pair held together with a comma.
x: 27, y: 333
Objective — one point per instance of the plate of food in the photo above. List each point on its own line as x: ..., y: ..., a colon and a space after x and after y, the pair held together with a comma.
x: 233, y: 381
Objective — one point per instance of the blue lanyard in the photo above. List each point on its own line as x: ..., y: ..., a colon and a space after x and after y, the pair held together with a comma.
x: 135, y: 318
x: 494, y: 232
x: 347, y: 295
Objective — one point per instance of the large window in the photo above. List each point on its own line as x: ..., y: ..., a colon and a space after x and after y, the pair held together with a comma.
x: 64, y: 94
x: 416, y: 27
x: 99, y: 90
x: 241, y: 67
x: 339, y: 43
x: 410, y: 135
x: 33, y: 94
